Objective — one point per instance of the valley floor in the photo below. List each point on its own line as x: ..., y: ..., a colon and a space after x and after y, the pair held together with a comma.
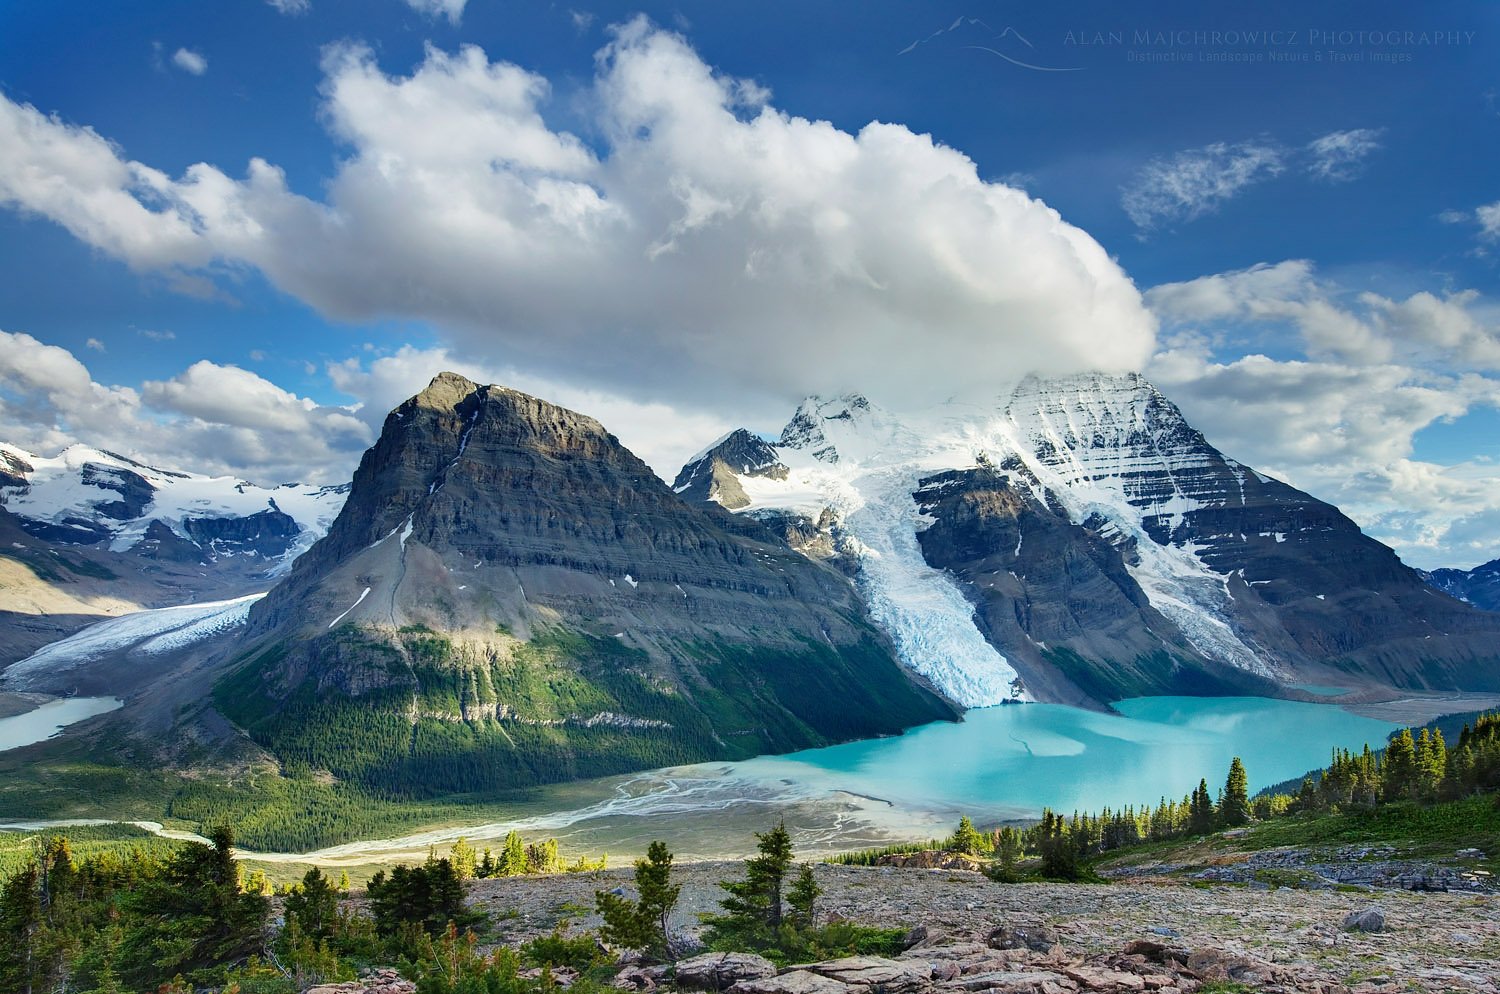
x: 1431, y: 942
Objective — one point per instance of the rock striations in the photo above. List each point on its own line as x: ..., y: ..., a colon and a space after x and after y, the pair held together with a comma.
x: 510, y: 596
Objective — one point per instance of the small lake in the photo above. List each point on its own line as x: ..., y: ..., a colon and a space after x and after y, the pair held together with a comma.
x: 49, y: 719
x: 1000, y: 763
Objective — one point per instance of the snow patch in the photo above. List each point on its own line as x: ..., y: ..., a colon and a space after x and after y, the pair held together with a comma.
x: 358, y: 601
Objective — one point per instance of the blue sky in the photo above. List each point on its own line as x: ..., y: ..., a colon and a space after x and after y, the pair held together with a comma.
x: 1277, y: 211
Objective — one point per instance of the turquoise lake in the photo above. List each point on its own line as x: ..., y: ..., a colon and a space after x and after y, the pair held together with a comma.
x: 999, y: 763
x: 50, y: 718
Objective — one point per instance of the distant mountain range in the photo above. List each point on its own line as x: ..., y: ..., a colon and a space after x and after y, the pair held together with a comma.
x: 1479, y: 586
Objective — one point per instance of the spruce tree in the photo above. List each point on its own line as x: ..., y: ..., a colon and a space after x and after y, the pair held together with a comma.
x: 463, y: 857
x: 967, y: 838
x: 753, y: 911
x: 1056, y: 846
x: 512, y: 856
x: 1235, y: 808
x: 1400, y: 766
x: 643, y: 924
x: 1201, y: 813
x: 1009, y: 848
x: 314, y: 906
x: 802, y: 899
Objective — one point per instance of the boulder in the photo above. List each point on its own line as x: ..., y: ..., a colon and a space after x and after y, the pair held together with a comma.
x: 1038, y: 938
x: 888, y: 976
x: 792, y: 982
x: 1370, y: 919
x: 1012, y: 982
x: 1104, y: 979
x: 1217, y: 964
x: 377, y: 982
x: 721, y: 971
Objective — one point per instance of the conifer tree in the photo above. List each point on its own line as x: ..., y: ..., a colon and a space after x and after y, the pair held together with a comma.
x: 1201, y: 813
x: 512, y: 857
x: 753, y: 910
x: 463, y: 858
x: 802, y: 899
x: 1234, y: 810
x: 1008, y: 851
x: 1056, y: 847
x: 643, y: 924
x: 1400, y: 766
x: 314, y: 906
x: 967, y: 838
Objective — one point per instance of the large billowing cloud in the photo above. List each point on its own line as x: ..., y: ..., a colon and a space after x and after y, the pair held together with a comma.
x: 703, y: 248
x: 1343, y: 421
x: 208, y: 419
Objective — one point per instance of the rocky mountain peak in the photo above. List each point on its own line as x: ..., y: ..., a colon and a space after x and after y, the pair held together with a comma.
x: 445, y: 392
x: 716, y: 472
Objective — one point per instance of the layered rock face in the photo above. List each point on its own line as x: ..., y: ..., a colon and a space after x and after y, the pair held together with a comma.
x: 509, y: 582
x: 1106, y: 549
x: 1057, y: 598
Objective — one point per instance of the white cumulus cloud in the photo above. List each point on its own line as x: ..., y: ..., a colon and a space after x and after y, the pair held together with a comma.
x: 190, y: 61
x: 453, y: 10
x: 209, y: 418
x: 1343, y: 422
x: 704, y: 249
x: 1488, y: 217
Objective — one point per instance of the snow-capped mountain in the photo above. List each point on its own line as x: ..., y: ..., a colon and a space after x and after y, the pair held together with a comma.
x: 1078, y: 540
x: 90, y: 497
x: 1479, y: 586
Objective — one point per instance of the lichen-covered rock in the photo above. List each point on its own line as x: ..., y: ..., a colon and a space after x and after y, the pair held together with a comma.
x: 792, y: 982
x: 887, y: 976
x: 1371, y: 919
x: 721, y: 971
x: 1036, y: 937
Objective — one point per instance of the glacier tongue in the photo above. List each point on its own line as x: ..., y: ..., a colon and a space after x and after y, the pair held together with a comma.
x: 922, y: 609
x: 865, y: 464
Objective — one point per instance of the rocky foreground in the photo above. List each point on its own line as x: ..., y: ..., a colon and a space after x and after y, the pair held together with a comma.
x: 970, y: 935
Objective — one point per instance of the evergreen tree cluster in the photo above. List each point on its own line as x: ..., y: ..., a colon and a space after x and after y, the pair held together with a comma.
x: 111, y: 924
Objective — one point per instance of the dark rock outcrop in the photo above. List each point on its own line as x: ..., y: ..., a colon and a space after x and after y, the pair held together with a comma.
x: 269, y: 533
x: 162, y: 543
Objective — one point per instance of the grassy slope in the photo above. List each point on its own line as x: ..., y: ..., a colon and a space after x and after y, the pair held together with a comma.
x: 1415, y: 830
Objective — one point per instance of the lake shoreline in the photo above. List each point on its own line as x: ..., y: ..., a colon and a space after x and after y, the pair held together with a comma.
x: 1416, y: 710
x: 17, y: 703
